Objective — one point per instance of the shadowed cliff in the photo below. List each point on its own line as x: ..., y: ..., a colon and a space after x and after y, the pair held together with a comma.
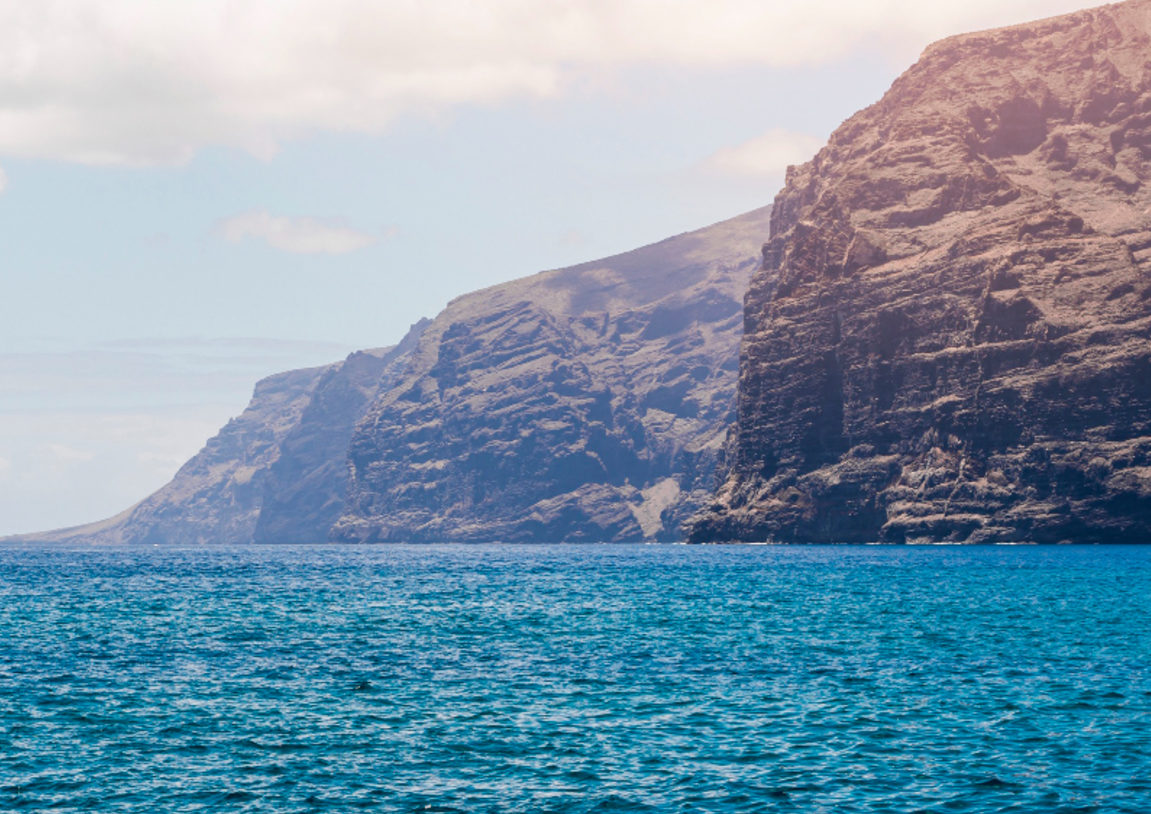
x: 583, y: 404
x: 275, y: 473
x: 949, y: 336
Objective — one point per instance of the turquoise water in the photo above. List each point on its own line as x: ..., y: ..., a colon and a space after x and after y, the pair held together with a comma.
x: 582, y: 678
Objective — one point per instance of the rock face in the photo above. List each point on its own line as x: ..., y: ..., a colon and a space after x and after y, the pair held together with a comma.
x: 588, y: 403
x: 583, y: 403
x: 273, y: 474
x: 306, y: 484
x: 216, y: 496
x: 949, y: 336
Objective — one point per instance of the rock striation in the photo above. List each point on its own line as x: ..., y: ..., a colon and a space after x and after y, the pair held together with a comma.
x: 216, y: 495
x: 275, y: 473
x: 950, y: 336
x: 306, y: 485
x: 583, y: 403
x: 588, y: 403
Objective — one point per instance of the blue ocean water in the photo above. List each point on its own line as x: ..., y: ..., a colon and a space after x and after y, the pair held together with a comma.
x: 576, y: 678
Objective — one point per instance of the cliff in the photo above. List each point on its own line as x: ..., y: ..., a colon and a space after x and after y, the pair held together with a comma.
x: 588, y: 403
x: 948, y: 339
x: 581, y: 403
x: 236, y: 489
x: 306, y: 484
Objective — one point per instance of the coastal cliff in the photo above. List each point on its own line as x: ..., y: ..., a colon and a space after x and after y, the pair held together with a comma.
x: 239, y: 488
x: 948, y: 339
x: 582, y: 403
x: 588, y: 403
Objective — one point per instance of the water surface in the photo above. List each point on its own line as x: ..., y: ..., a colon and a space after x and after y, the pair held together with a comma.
x: 576, y: 678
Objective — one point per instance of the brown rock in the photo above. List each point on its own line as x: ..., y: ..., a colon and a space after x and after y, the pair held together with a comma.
x: 949, y: 336
x: 587, y: 403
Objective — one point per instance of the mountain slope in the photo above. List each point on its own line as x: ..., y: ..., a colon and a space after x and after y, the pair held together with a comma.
x: 275, y: 473
x: 215, y: 496
x: 949, y: 337
x: 600, y: 391
x: 306, y: 485
x: 587, y: 403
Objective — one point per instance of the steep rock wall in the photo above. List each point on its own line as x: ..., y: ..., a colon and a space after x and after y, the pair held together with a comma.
x: 582, y: 403
x: 588, y: 403
x: 949, y: 337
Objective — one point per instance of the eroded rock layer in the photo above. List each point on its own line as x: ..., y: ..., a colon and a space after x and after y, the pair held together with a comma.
x: 216, y: 496
x: 588, y: 403
x: 306, y: 485
x: 275, y: 473
x: 583, y: 403
x: 949, y: 336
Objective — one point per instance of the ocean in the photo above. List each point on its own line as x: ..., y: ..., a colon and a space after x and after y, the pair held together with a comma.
x: 584, y: 678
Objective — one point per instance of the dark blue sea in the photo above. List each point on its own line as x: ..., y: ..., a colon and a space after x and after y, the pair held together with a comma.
x: 576, y: 679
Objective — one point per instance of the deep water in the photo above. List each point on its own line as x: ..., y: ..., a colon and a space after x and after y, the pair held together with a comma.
x: 578, y: 678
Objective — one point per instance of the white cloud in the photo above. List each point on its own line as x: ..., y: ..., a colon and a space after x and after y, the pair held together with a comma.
x: 296, y: 235
x: 141, y: 82
x: 3, y: 180
x: 769, y: 154
x: 69, y: 455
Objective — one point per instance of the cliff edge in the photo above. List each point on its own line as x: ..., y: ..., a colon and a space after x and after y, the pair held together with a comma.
x: 587, y: 403
x: 948, y: 339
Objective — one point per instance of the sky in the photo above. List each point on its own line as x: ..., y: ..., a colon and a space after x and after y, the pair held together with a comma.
x: 195, y: 194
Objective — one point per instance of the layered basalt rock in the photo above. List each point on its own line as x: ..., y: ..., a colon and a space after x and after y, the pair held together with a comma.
x: 306, y: 485
x: 950, y: 336
x: 588, y: 403
x: 583, y: 403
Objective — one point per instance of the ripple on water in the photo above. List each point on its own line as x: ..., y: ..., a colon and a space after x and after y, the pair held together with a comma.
x: 576, y: 679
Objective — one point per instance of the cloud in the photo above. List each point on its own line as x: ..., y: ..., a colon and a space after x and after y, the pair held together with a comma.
x: 572, y: 239
x: 296, y: 235
x: 769, y: 154
x: 3, y: 180
x: 137, y: 82
x: 68, y: 455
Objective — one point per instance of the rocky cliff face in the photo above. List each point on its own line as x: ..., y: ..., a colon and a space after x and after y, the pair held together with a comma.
x: 588, y: 403
x: 306, y: 485
x: 216, y: 496
x: 275, y: 473
x: 949, y: 337
x: 583, y: 403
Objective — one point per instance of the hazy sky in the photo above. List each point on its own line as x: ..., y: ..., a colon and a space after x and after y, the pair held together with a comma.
x: 196, y: 193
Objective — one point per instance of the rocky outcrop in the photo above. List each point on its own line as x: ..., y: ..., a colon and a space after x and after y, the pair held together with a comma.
x: 306, y: 485
x: 582, y: 403
x: 275, y: 473
x: 216, y: 496
x: 588, y: 403
x: 949, y: 336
